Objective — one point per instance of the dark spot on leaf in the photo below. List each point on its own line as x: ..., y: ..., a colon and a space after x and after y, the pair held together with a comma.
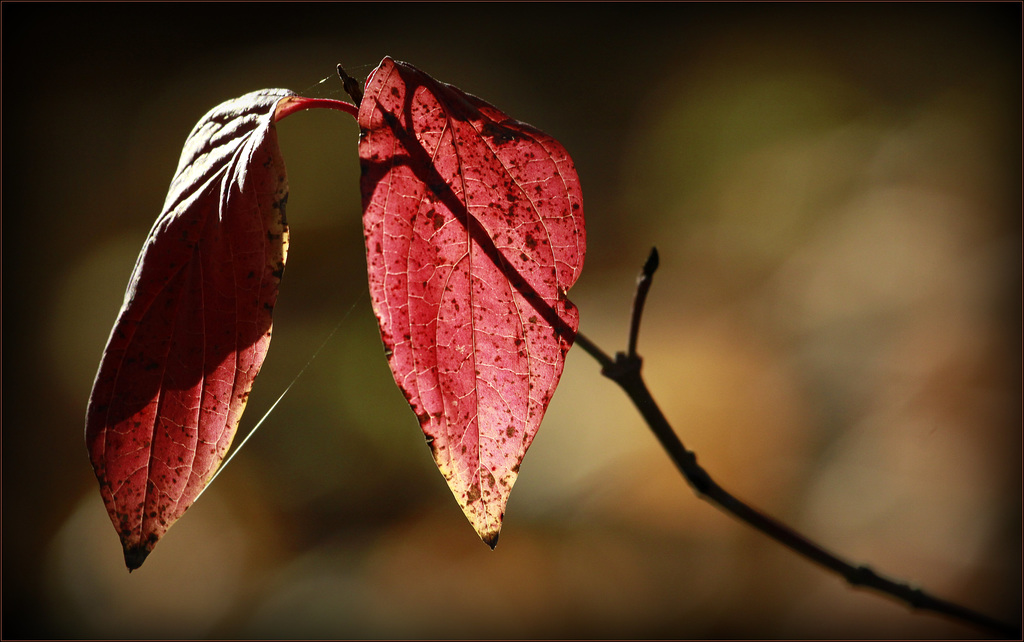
x: 499, y: 134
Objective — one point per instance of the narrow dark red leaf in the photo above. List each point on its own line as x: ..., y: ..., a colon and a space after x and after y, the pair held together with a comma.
x: 474, y: 234
x: 195, y: 324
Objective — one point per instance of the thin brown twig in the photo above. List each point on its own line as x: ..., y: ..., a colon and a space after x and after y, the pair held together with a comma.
x: 625, y: 371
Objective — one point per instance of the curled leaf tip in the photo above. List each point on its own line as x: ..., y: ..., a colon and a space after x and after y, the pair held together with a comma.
x: 134, y: 557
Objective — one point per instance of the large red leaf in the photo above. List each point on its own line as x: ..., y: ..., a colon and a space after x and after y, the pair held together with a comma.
x: 474, y: 233
x: 195, y: 324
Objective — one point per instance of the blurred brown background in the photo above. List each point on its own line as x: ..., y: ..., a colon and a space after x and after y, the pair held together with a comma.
x: 835, y: 191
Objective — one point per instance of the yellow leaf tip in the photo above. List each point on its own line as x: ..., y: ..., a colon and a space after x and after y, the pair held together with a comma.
x: 491, y: 539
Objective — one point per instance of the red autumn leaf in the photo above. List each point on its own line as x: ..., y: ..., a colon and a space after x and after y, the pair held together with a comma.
x: 474, y: 233
x: 195, y: 324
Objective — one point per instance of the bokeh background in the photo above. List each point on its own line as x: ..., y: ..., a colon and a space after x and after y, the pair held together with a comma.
x: 835, y: 191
